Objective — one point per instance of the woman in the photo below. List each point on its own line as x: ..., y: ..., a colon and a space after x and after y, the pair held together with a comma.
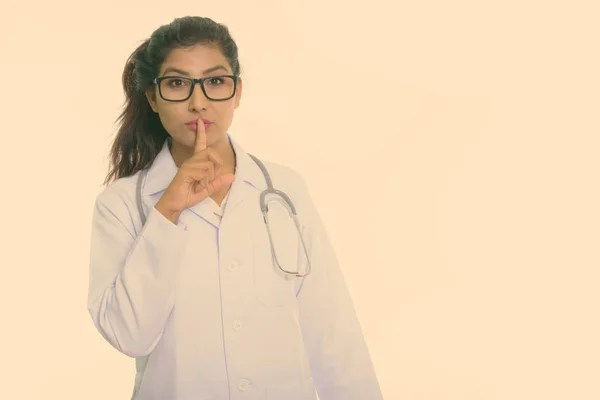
x: 184, y: 274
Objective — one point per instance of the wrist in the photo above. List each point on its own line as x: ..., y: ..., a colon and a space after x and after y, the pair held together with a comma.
x: 168, y: 212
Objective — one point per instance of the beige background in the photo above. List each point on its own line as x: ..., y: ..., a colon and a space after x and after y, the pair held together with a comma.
x: 451, y: 147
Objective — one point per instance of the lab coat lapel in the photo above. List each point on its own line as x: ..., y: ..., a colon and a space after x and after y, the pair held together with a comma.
x: 205, y: 210
x: 249, y: 179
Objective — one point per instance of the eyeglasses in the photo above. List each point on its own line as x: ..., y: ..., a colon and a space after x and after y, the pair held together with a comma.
x: 180, y: 88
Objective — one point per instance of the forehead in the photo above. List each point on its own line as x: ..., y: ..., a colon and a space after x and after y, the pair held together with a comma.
x: 195, y: 59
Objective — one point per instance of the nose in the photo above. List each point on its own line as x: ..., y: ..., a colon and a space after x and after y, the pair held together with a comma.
x: 198, y: 100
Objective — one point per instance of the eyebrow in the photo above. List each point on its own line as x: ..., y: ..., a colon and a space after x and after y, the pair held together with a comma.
x: 207, y: 71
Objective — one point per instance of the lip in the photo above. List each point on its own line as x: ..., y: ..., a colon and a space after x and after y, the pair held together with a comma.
x: 194, y: 121
x: 192, y: 124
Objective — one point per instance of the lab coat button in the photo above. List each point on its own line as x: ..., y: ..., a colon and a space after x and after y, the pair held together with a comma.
x: 233, y: 266
x: 237, y: 325
x: 243, y: 385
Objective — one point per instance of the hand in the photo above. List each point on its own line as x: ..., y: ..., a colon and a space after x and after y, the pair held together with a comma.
x: 197, y: 178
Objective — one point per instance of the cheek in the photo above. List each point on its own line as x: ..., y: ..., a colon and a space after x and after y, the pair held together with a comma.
x: 226, y: 114
x: 171, y: 116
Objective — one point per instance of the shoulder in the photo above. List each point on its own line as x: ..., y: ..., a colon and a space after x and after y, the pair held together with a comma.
x: 291, y: 182
x: 118, y: 197
x: 286, y: 178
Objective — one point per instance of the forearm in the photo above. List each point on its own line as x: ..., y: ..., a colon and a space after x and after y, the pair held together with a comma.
x: 131, y: 301
x: 167, y: 211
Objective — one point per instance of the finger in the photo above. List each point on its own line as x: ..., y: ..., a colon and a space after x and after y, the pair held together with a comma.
x: 207, y: 154
x: 199, y: 170
x: 214, y: 157
x: 200, y: 136
x: 193, y: 166
x: 201, y: 193
x: 220, y: 182
x: 210, y: 155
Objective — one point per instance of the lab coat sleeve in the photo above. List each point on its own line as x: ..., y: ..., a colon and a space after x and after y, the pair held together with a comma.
x: 132, y: 277
x: 340, y: 361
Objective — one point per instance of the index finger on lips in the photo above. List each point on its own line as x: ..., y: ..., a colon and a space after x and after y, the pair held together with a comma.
x: 200, y: 136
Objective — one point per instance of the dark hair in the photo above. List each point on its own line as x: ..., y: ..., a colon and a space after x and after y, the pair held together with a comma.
x: 141, y: 135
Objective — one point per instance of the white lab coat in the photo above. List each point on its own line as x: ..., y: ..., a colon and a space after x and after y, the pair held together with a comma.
x: 203, y: 309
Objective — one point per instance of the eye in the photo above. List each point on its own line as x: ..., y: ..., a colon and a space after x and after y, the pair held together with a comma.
x: 175, y: 82
x: 215, y: 81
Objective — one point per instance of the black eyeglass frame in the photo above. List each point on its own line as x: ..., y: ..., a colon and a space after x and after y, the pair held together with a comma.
x: 201, y: 81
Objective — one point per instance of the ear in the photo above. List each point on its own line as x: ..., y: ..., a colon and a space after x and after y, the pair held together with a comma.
x: 151, y: 96
x: 238, y: 93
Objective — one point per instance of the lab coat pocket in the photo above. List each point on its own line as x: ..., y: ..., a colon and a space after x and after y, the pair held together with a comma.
x: 273, y: 287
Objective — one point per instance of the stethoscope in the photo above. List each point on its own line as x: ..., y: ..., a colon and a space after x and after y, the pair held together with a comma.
x: 287, y: 202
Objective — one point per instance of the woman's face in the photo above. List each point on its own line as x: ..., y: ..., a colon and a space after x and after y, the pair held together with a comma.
x: 198, y: 61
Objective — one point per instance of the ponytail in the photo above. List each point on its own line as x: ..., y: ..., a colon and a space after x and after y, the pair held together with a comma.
x: 141, y: 135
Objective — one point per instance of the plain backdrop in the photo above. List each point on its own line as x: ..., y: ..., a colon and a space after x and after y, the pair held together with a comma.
x: 451, y: 147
